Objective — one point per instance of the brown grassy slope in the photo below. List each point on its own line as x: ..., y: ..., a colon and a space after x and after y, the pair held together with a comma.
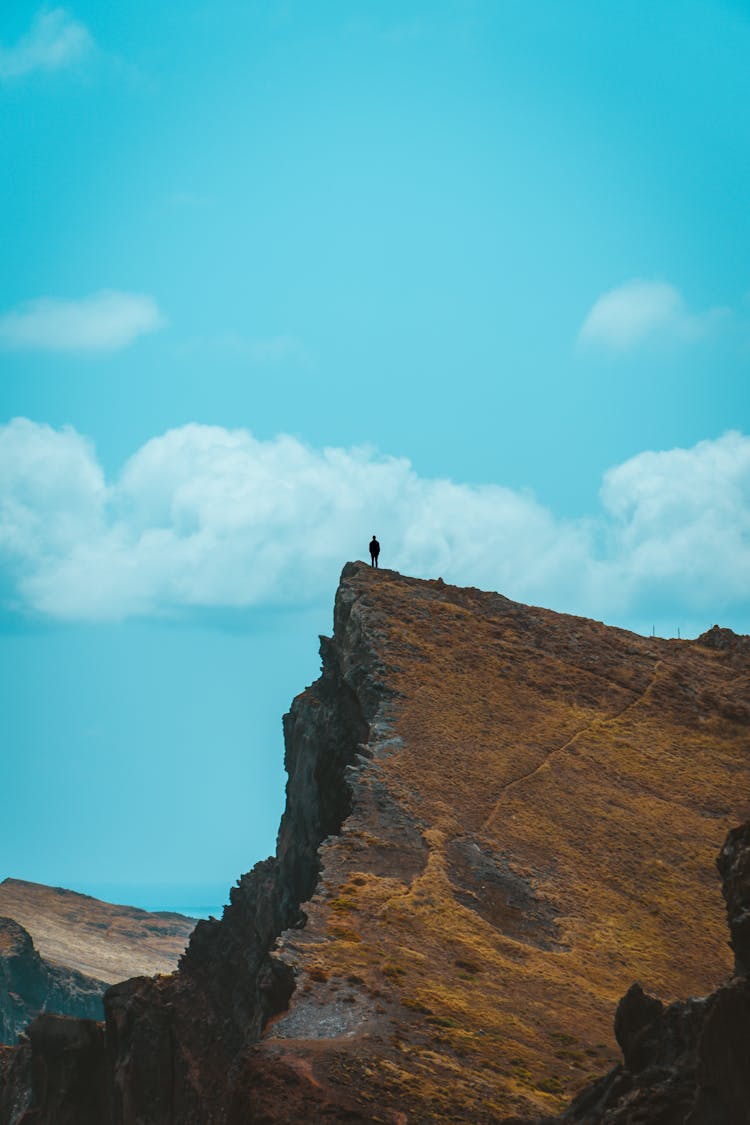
x: 108, y: 942
x: 573, y: 784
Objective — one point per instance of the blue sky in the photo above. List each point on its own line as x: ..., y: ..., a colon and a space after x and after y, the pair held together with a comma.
x: 471, y: 275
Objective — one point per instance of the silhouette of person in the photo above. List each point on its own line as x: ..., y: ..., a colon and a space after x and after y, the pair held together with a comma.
x: 374, y: 551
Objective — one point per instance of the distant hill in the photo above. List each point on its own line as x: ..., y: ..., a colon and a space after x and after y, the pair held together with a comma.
x: 101, y: 939
x: 60, y: 950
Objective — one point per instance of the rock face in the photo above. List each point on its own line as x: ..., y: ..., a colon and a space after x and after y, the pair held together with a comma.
x: 689, y: 1063
x: 497, y: 817
x: 734, y: 868
x: 29, y: 985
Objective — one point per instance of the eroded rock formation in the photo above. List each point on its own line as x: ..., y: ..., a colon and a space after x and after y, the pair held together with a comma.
x: 497, y: 817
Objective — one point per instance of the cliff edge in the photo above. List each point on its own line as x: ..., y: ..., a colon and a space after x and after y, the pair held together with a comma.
x: 497, y: 817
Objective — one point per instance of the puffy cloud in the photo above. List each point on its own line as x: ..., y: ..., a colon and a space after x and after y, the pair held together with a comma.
x: 52, y: 497
x: 204, y: 516
x: 54, y: 40
x: 640, y: 311
x: 680, y: 524
x: 104, y: 321
x: 208, y: 517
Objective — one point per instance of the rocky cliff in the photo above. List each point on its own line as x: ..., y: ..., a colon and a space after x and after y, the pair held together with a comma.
x: 497, y: 817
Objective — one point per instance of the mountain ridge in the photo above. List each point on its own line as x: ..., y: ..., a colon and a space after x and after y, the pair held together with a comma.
x: 497, y: 817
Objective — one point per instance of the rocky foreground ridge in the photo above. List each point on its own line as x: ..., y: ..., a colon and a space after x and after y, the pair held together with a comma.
x: 497, y: 819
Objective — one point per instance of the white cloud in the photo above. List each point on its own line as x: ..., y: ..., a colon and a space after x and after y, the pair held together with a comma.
x: 207, y: 517
x: 680, y: 523
x: 104, y: 321
x: 641, y: 311
x: 52, y: 496
x: 54, y: 40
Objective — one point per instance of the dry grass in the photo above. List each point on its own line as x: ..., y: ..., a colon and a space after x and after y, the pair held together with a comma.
x: 599, y: 771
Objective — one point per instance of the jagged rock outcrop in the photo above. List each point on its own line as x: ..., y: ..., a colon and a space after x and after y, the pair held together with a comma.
x: 30, y: 985
x: 496, y: 818
x: 734, y: 868
x: 724, y: 640
x: 688, y: 1063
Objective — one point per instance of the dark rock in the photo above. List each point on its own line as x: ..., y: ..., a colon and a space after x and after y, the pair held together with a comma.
x: 635, y: 1013
x: 30, y: 985
x: 15, y: 1082
x: 724, y: 640
x: 68, y: 1075
x: 734, y: 867
x: 723, y: 1065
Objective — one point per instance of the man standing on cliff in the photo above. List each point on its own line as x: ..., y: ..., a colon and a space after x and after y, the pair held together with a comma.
x: 374, y: 551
